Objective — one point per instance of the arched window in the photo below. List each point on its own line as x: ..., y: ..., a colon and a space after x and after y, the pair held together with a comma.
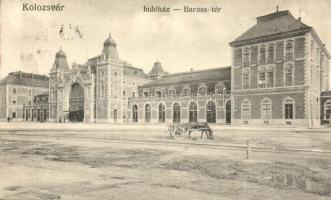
x: 289, y: 50
x: 158, y: 93
x: 219, y: 89
x: 176, y: 113
x: 266, y: 109
x: 262, y: 54
x: 161, y: 113
x: 13, y: 115
x: 327, y: 109
x: 134, y: 113
x: 246, y: 57
x: 288, y: 75
x: 186, y: 91
x: 148, y: 113
x: 193, y: 112
x: 288, y: 108
x: 246, y: 109
x: 271, y: 53
x: 202, y: 90
x: 171, y: 91
x: 211, y: 112
x: 146, y: 94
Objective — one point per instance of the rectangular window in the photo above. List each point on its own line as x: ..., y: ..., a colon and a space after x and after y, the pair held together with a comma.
x: 288, y: 76
x: 266, y: 79
x: 246, y: 111
x: 262, y: 79
x: 270, y: 79
x: 266, y: 111
x: 245, y: 80
x: 246, y: 57
x: 288, y: 111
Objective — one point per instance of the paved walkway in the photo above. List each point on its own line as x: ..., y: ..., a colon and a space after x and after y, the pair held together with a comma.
x: 148, y: 127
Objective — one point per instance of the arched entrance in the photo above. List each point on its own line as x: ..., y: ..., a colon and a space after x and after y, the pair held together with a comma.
x: 45, y: 114
x: 135, y: 113
x: 193, y: 112
x: 26, y: 115
x: 211, y: 112
x: 228, y: 112
x: 161, y: 113
x: 38, y: 115
x: 76, y: 103
x: 176, y: 113
x: 147, y: 113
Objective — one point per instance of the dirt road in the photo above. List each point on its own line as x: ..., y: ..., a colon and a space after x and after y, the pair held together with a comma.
x: 62, y: 166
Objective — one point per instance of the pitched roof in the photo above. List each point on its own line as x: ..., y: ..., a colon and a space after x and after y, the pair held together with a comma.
x: 221, y: 73
x: 28, y: 79
x: 272, y: 24
x: 157, y: 68
x: 130, y: 70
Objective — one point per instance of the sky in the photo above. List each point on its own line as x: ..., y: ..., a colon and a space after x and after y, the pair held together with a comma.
x: 180, y: 41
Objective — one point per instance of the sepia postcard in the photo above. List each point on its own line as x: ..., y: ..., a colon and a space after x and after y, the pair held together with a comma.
x: 165, y: 99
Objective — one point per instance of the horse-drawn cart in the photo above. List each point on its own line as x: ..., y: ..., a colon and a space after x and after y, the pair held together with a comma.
x: 181, y: 130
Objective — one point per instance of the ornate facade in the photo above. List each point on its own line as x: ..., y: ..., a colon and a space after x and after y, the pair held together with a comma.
x: 278, y: 76
x: 97, y: 91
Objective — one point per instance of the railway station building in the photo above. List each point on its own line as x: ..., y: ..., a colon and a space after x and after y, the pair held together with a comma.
x: 279, y: 75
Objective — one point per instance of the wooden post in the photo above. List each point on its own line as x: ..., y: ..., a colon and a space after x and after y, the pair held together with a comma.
x: 248, y: 150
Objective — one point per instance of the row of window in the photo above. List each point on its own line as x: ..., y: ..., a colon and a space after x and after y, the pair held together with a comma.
x: 176, y: 112
x: 202, y: 90
x: 15, y: 91
x: 267, y: 53
x: 266, y: 109
x: 266, y: 78
x: 35, y: 114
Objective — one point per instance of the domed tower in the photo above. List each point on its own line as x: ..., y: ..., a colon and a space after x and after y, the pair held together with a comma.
x: 109, y: 48
x: 157, y: 71
x: 60, y: 61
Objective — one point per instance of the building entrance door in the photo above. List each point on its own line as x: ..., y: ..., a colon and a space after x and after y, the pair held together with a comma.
x: 76, y: 103
x: 228, y: 112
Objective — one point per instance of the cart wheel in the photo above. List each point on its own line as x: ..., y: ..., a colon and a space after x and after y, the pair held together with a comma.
x: 178, y: 133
